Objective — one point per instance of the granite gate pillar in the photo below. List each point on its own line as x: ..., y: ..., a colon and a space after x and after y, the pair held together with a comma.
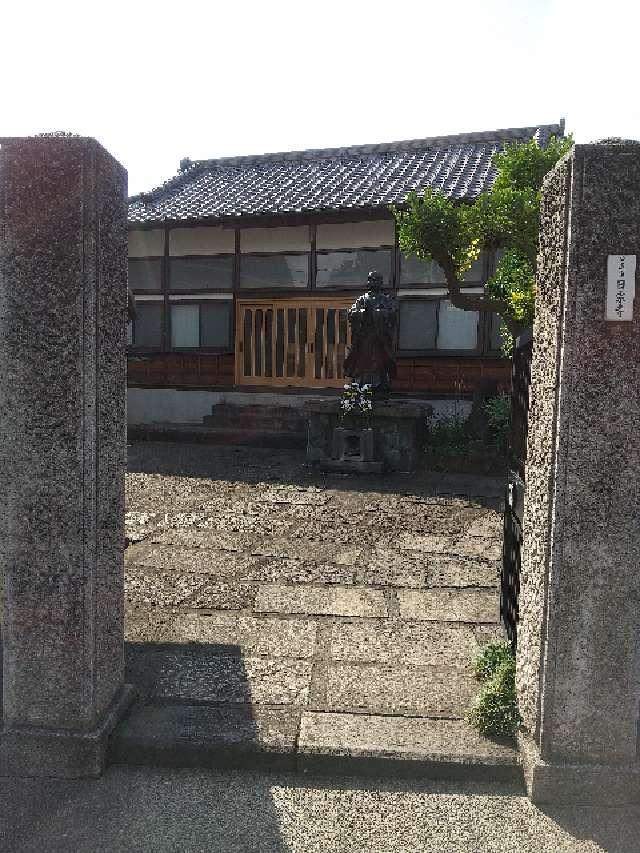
x: 578, y: 669
x: 63, y: 303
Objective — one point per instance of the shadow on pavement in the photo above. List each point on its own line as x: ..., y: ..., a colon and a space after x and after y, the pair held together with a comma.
x: 252, y: 465
x: 195, y: 711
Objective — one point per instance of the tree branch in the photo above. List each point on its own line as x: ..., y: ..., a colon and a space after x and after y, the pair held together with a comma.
x: 476, y: 301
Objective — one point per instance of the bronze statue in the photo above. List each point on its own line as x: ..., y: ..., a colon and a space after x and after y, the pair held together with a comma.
x: 373, y: 319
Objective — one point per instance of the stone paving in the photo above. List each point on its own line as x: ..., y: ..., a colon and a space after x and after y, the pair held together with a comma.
x: 306, y: 614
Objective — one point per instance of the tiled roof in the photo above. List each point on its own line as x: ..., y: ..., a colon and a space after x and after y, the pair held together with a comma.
x: 330, y: 179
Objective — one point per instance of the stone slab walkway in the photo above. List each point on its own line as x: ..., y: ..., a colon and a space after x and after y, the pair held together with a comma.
x: 306, y: 620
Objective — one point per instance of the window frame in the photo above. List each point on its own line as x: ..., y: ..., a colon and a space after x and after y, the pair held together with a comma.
x: 200, y: 290
x: 195, y: 301
x: 439, y: 353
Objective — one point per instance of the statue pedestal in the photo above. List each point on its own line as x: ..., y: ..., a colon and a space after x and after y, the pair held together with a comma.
x: 353, y: 449
x: 390, y: 444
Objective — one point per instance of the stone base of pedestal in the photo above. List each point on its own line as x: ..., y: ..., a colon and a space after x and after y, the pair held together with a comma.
x: 396, y: 429
x: 60, y: 753
x: 578, y: 784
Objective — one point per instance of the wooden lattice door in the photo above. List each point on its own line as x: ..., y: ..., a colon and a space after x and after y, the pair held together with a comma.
x: 299, y: 343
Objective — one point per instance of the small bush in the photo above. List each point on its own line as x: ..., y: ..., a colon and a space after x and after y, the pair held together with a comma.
x: 498, y: 411
x: 447, y: 434
x: 495, y: 709
x: 489, y: 660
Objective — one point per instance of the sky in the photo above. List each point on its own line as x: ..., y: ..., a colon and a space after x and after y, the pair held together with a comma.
x: 158, y: 81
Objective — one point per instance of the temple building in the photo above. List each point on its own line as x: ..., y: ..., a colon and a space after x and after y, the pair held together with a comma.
x: 243, y: 269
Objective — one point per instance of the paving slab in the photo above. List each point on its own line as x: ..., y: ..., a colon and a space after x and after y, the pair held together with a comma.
x: 425, y: 543
x: 222, y: 595
x: 425, y: 691
x: 449, y: 605
x: 317, y: 600
x: 158, y: 588
x: 388, y: 567
x: 445, y: 570
x: 478, y: 546
x: 216, y: 674
x: 252, y: 635
x: 442, y: 748
x: 317, y: 551
x: 183, y: 735
x: 296, y: 570
x: 221, y: 561
x: 401, y: 642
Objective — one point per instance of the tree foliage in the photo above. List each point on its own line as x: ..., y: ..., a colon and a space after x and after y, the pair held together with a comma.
x: 506, y: 218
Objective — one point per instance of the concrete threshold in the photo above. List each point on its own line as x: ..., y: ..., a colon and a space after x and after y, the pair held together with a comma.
x: 215, y: 736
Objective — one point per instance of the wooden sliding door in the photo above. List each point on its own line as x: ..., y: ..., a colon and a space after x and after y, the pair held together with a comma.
x: 300, y: 342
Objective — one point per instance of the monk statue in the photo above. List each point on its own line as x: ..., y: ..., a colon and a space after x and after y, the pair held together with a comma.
x: 373, y: 318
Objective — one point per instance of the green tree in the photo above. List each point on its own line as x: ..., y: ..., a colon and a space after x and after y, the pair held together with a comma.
x: 507, y: 217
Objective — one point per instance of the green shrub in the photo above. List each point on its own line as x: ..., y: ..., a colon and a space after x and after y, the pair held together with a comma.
x: 446, y: 434
x: 494, y: 711
x: 498, y: 411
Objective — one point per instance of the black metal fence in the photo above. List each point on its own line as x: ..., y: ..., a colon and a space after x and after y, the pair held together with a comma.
x: 514, y: 498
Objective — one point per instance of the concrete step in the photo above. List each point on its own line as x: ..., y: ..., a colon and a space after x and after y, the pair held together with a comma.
x: 288, y: 738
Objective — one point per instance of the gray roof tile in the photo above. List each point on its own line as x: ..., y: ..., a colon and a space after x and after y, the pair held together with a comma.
x: 331, y: 178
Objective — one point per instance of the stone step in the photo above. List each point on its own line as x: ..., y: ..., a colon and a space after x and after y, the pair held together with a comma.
x: 288, y: 738
x: 201, y: 434
x: 256, y: 417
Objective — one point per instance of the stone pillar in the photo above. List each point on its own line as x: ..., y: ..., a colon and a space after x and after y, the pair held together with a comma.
x: 578, y: 672
x: 63, y: 308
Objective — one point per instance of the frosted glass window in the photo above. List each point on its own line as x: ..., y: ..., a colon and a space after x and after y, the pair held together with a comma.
x: 146, y: 244
x: 356, y: 235
x: 185, y: 326
x: 214, y: 273
x: 418, y: 324
x: 215, y: 324
x: 276, y: 240
x: 145, y: 274
x: 147, y: 326
x: 457, y: 328
x: 274, y: 271
x: 415, y: 271
x: 201, y: 241
x: 350, y: 269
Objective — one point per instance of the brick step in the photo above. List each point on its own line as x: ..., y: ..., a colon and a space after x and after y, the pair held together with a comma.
x: 288, y: 738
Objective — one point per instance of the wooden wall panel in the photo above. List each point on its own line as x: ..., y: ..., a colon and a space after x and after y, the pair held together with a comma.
x: 432, y: 376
